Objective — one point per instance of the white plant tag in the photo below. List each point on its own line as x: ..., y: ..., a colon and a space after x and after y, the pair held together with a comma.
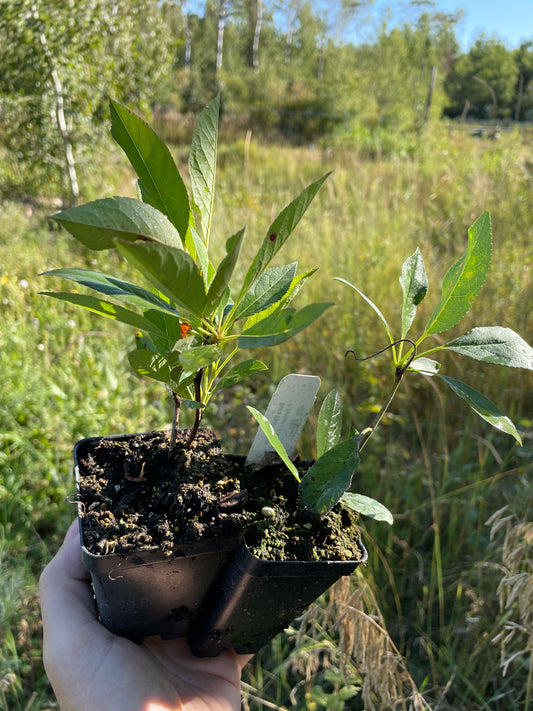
x: 287, y: 412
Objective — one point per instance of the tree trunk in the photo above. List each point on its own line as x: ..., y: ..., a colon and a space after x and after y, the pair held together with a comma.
x: 188, y: 37
x: 492, y: 94
x: 60, y: 118
x: 431, y: 88
x: 320, y: 64
x: 288, y: 39
x: 519, y: 98
x: 257, y: 32
x: 220, y: 34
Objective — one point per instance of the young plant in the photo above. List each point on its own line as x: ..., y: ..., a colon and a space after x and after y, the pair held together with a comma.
x: 191, y: 320
x: 328, y: 480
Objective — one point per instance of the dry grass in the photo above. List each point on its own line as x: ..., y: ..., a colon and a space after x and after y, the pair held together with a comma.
x: 363, y: 641
x: 515, y: 593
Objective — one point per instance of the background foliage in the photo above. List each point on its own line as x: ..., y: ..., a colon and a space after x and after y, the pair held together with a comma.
x: 296, y: 69
x: 441, y: 615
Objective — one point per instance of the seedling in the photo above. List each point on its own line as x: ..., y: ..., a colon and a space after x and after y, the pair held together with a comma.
x: 328, y: 480
x: 192, y: 320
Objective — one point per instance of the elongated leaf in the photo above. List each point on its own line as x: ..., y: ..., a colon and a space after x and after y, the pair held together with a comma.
x: 170, y: 270
x: 280, y: 326
x: 367, y: 507
x: 372, y: 306
x: 199, y: 253
x: 330, y: 476
x: 426, y: 366
x: 328, y: 431
x: 105, y: 308
x: 167, y: 323
x: 239, y: 372
x: 161, y: 184
x: 414, y: 283
x: 195, y: 358
x: 224, y: 272
x: 151, y: 365
x: 464, y: 279
x: 297, y: 283
x: 494, y: 344
x: 483, y: 406
x: 202, y: 164
x: 111, y: 286
x: 292, y: 291
x: 280, y: 230
x: 274, y: 440
x: 268, y: 289
x: 97, y: 224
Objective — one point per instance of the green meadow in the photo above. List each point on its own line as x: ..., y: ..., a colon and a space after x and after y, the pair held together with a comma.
x: 441, y: 617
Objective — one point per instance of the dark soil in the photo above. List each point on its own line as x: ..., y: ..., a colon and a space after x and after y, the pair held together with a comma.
x: 134, y: 496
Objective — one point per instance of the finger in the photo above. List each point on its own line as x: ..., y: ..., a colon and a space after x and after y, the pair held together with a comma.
x: 64, y: 585
x: 243, y: 659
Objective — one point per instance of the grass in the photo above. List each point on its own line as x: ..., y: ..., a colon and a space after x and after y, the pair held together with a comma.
x: 427, y: 622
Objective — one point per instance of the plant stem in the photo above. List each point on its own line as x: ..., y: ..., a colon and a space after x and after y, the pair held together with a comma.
x: 385, y: 407
x: 198, y: 411
x: 175, y: 420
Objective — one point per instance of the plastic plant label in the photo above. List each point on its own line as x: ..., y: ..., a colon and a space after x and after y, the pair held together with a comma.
x: 287, y: 412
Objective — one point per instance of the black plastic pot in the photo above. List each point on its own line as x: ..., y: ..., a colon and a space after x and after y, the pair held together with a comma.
x: 147, y: 593
x: 216, y: 593
x: 254, y: 599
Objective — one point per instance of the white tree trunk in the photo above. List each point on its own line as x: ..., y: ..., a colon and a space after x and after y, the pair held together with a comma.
x: 257, y: 33
x: 220, y: 34
x: 60, y: 119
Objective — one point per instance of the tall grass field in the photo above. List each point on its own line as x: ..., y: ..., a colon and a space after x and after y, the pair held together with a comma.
x: 441, y: 617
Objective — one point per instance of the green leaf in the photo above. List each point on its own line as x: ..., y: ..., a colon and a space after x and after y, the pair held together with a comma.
x: 198, y: 251
x: 414, y: 283
x: 224, y: 272
x: 170, y: 270
x: 330, y: 476
x: 111, y: 286
x: 371, y: 304
x: 97, y: 224
x: 293, y: 290
x: 280, y: 230
x: 167, y: 323
x: 328, y: 431
x: 151, y: 365
x: 280, y: 326
x: 239, y: 372
x: 367, y: 507
x: 161, y: 184
x: 272, y: 285
x: 494, y: 344
x: 274, y: 440
x: 297, y: 283
x: 144, y: 343
x: 105, y: 308
x: 483, y: 406
x: 464, y: 279
x: 426, y: 366
x: 202, y: 164
x: 195, y: 358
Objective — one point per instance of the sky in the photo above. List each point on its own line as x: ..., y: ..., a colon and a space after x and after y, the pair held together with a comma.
x: 510, y: 20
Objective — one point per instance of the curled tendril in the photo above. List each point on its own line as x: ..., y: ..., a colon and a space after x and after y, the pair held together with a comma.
x: 400, y: 371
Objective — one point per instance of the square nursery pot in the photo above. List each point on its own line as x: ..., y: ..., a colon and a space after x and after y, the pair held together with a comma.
x: 214, y: 592
x: 148, y: 592
x: 253, y: 600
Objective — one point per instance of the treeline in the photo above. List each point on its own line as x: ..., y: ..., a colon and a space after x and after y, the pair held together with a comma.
x: 302, y: 69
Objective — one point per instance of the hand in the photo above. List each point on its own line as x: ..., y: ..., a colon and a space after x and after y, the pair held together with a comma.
x: 91, y: 668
